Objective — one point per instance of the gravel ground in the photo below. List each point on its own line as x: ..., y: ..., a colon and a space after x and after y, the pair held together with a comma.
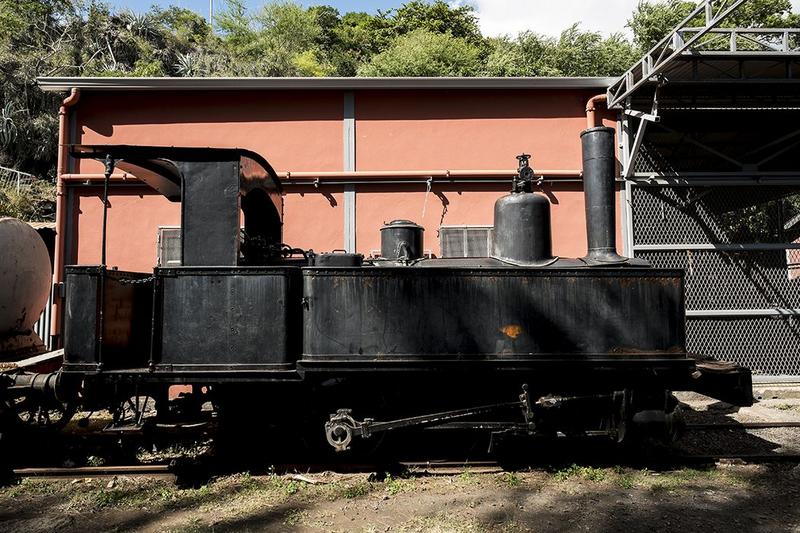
x: 576, y: 498
x: 699, y: 409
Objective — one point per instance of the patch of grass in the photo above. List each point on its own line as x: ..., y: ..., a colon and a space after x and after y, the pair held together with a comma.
x: 293, y: 517
x: 626, y: 481
x: 442, y: 523
x: 291, y: 487
x: 589, y: 473
x: 283, y: 486
x: 105, y: 498
x: 787, y: 407
x: 661, y: 486
x: 93, y: 460
x: 357, y: 490
x: 674, y: 480
x: 509, y: 479
x: 29, y: 487
x: 396, y: 485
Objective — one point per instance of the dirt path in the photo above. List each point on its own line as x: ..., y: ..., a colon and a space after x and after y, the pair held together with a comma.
x: 718, y: 499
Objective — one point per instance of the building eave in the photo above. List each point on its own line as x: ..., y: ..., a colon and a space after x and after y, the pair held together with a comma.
x: 53, y: 84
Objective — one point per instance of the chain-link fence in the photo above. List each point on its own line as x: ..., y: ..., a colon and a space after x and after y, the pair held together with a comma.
x: 740, y: 249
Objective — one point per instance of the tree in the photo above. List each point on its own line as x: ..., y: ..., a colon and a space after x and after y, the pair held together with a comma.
x: 283, y: 38
x: 574, y: 53
x: 436, y: 17
x: 652, y: 21
x: 354, y: 43
x: 278, y: 40
x: 423, y: 53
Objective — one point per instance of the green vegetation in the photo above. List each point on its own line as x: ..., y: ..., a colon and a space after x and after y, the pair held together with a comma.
x: 396, y: 485
x: 356, y: 490
x: 588, y: 473
x: 31, y: 203
x: 281, y: 38
x: 509, y: 479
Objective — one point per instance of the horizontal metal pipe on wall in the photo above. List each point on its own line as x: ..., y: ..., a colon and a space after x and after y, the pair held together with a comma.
x: 384, y: 177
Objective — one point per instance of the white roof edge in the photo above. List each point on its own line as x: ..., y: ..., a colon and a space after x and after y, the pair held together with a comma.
x: 193, y: 84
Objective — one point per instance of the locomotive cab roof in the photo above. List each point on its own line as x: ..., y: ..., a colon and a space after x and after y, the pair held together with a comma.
x: 217, y: 188
x: 160, y: 167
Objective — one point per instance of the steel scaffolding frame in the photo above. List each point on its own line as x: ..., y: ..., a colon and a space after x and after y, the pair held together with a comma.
x: 712, y: 71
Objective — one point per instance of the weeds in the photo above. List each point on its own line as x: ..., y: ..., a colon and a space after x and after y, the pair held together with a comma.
x: 509, y: 479
x: 293, y: 517
x: 355, y: 491
x: 626, y: 481
x: 397, y: 485
x: 589, y: 473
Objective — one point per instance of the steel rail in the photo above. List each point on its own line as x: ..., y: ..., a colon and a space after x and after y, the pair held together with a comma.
x: 742, y: 425
x: 162, y: 471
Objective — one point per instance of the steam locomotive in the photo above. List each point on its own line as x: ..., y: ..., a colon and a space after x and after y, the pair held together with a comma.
x: 521, y: 342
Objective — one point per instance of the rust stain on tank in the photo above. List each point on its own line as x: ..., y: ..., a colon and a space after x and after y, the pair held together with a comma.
x: 511, y: 331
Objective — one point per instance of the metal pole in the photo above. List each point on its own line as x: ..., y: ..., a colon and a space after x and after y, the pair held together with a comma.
x: 108, y: 171
x: 102, y: 290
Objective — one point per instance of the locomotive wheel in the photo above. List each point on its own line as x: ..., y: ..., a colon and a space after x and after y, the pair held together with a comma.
x: 34, y: 411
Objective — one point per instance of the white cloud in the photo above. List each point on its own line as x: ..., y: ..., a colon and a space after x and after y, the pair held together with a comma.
x: 551, y: 17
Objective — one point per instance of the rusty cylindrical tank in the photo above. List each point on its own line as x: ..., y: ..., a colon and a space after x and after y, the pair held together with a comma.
x: 402, y: 240
x: 522, y: 234
x: 25, y: 277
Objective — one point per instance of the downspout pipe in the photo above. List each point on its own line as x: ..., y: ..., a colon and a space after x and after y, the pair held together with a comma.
x: 61, y: 211
x: 591, y: 106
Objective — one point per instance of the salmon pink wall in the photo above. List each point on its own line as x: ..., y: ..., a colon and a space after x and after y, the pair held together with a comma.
x: 135, y: 216
x: 293, y: 130
x: 468, y: 129
x: 133, y: 220
x: 467, y: 205
x: 303, y: 131
x: 314, y: 218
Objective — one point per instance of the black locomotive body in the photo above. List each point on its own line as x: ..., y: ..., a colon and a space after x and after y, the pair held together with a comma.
x: 401, y: 339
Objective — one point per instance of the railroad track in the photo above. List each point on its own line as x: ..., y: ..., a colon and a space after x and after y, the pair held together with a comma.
x: 83, y: 472
x: 438, y: 467
x: 740, y: 425
x: 167, y: 472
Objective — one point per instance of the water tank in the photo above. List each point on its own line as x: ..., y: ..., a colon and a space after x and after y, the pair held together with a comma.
x: 522, y: 234
x: 338, y: 258
x: 402, y: 239
x: 25, y: 276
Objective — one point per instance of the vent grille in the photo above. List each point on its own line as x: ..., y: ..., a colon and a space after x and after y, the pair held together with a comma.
x: 169, y: 246
x: 465, y: 241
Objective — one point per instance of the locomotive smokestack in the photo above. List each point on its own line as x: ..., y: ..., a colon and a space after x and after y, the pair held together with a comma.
x: 599, y: 170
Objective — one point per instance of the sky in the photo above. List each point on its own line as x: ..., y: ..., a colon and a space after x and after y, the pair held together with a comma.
x: 497, y: 17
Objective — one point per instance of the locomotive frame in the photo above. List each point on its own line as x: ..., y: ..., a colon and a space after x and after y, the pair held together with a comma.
x: 592, y: 345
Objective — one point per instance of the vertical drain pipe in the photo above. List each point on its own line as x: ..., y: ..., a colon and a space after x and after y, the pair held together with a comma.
x: 62, y: 168
x: 591, y: 107
x: 599, y: 189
